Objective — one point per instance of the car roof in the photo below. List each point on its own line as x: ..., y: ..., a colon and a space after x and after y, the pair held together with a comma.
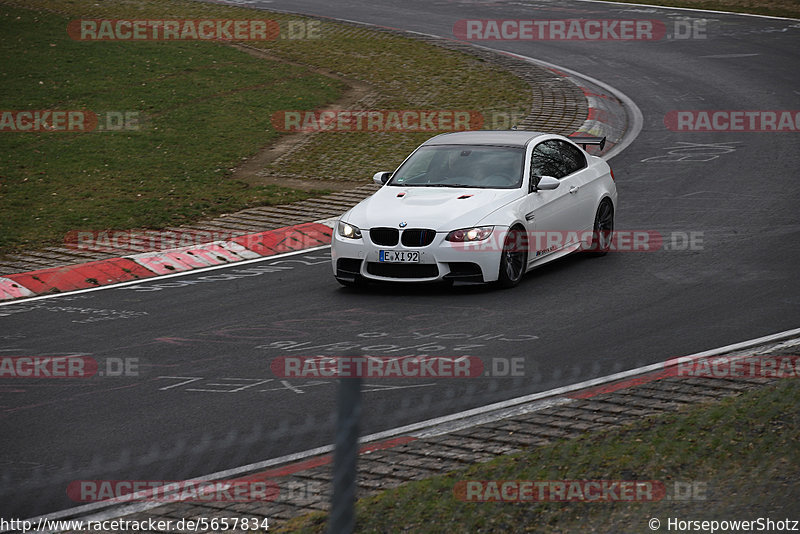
x: 485, y: 137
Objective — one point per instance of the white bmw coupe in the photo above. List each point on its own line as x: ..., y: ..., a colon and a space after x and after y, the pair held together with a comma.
x: 479, y: 207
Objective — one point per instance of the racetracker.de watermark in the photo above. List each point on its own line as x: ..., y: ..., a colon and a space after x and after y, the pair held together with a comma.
x: 731, y: 120
x: 71, y: 121
x: 559, y: 490
x: 47, y: 120
x: 143, y: 240
x: 736, y: 367
x: 539, y: 243
x: 381, y: 120
x: 68, y: 366
x: 578, y: 29
x: 192, y: 29
x: 172, y: 491
x: 373, y: 367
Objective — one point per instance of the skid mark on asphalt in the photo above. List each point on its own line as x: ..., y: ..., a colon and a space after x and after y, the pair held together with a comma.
x: 238, y: 385
x: 685, y: 152
x: 91, y: 314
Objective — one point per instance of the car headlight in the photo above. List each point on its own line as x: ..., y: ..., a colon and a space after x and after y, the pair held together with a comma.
x: 470, y: 234
x: 348, y: 230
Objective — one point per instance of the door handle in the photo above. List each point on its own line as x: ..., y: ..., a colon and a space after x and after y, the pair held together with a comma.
x: 573, y: 190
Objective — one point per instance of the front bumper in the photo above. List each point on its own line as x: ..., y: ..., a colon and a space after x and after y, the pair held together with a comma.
x: 439, y: 261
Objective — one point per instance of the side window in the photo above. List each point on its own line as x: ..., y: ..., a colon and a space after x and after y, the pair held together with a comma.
x: 572, y: 156
x: 546, y: 160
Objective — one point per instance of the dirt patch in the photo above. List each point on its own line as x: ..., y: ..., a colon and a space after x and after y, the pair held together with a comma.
x: 249, y: 171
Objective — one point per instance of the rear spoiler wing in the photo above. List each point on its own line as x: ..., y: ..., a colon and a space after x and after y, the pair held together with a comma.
x: 584, y: 141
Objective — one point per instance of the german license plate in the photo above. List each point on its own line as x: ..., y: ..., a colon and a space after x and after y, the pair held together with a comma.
x: 399, y: 256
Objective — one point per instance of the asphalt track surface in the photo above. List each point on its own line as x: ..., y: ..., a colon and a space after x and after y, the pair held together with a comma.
x: 205, y: 399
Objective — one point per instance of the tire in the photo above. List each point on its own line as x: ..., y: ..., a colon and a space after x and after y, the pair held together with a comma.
x: 603, y: 229
x: 513, y: 258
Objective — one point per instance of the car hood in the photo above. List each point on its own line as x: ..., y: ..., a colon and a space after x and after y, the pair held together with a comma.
x: 439, y: 208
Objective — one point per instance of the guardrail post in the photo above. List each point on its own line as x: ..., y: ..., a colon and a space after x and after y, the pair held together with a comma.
x: 342, y: 517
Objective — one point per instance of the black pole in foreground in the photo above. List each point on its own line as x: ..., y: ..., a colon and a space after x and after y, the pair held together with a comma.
x: 342, y: 518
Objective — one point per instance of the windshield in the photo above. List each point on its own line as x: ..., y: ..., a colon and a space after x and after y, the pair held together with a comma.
x: 489, y: 167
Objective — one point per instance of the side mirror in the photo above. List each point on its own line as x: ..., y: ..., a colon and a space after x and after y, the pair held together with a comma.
x: 381, y: 178
x: 546, y: 183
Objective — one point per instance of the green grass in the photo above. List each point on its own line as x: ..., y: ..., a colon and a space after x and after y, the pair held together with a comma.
x: 774, y: 8
x: 742, y: 452
x: 204, y: 108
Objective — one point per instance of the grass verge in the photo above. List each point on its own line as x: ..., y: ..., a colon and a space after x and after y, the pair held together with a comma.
x: 203, y: 108
x: 741, y: 454
x: 773, y: 8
